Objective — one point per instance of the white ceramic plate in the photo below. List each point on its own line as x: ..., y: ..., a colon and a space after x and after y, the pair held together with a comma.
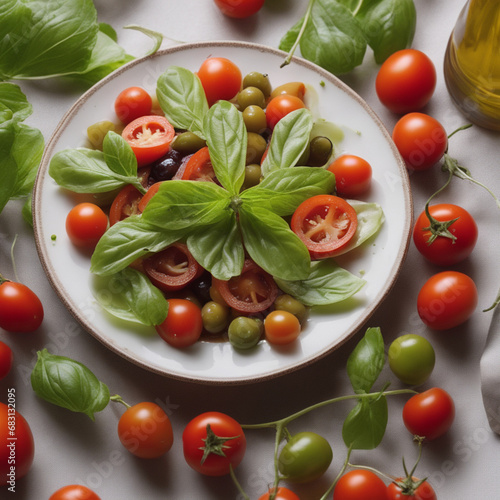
x: 379, y: 260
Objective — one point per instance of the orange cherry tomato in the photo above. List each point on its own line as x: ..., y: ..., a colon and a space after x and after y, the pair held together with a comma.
x: 281, y: 327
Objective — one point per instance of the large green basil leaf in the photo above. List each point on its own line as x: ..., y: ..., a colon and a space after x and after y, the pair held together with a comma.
x: 282, y: 191
x: 366, y: 361
x: 118, y: 155
x: 388, y: 25
x: 8, y: 167
x: 218, y: 248
x: 289, y: 140
x: 130, y: 295
x: 13, y: 103
x: 326, y: 283
x: 44, y: 38
x: 126, y: 241
x: 182, y: 99
x: 365, y: 425
x: 185, y: 205
x: 226, y: 136
x: 67, y: 383
x: 272, y: 244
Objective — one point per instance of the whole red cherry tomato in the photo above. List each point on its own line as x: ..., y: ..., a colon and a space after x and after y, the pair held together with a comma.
x: 360, y: 484
x: 353, y: 175
x: 145, y: 430
x: 239, y: 9
x: 446, y: 300
x: 16, y: 442
x: 459, y: 238
x: 132, y: 103
x: 213, y: 442
x: 85, y: 224
x: 406, y: 81
x: 429, y: 414
x: 221, y: 79
x: 410, y: 489
x: 420, y: 139
x: 20, y: 308
x: 74, y: 492
x: 280, y: 106
x: 281, y: 494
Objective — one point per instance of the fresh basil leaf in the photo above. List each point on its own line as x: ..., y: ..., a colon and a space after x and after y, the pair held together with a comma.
x: 365, y: 425
x: 333, y: 38
x: 366, y: 361
x: 67, y: 383
x: 85, y: 171
x: 118, y: 155
x: 27, y: 211
x: 226, y: 136
x: 218, y: 248
x: 8, y: 167
x: 108, y: 30
x: 154, y: 35
x: 289, y: 140
x: 326, y: 283
x: 272, y: 244
x: 126, y: 241
x: 185, y: 205
x: 370, y: 220
x: 14, y: 104
x: 42, y: 38
x: 182, y: 99
x: 282, y: 191
x: 388, y: 25
x: 290, y: 37
x: 131, y: 296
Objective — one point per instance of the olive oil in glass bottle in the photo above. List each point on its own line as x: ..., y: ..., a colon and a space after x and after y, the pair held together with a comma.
x: 472, y: 63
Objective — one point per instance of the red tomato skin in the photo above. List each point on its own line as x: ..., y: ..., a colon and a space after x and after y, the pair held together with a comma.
x: 447, y: 300
x: 360, y: 484
x: 24, y: 444
x: 183, y: 325
x: 280, y: 106
x: 199, y: 167
x: 444, y: 251
x: 429, y: 414
x: 406, y: 81
x: 281, y: 494
x: 21, y: 311
x: 221, y: 79
x: 353, y: 175
x: 132, y: 103
x: 125, y: 204
x: 421, y: 140
x: 6, y: 359
x: 423, y: 492
x: 239, y: 9
x: 148, y: 151
x: 74, y: 492
x: 85, y: 224
x: 223, y: 426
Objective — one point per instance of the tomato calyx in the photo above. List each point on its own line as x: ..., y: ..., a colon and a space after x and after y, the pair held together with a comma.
x: 409, y: 485
x: 214, y: 444
x: 439, y: 228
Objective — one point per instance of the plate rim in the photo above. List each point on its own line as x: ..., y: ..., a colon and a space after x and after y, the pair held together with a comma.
x: 42, y: 248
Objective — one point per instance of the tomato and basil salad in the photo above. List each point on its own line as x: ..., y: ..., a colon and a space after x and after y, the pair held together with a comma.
x: 224, y: 207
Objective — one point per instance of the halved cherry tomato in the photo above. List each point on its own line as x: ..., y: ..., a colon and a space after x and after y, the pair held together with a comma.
x: 143, y: 202
x: 149, y: 137
x: 125, y: 204
x: 85, y: 224
x: 220, y: 78
x: 74, y: 492
x: 280, y: 106
x: 172, y: 268
x: 199, y: 167
x: 252, y: 291
x: 132, y: 103
x: 325, y: 223
x: 353, y: 175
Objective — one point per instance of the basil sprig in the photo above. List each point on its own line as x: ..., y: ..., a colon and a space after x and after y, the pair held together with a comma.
x: 335, y: 33
x: 67, y: 383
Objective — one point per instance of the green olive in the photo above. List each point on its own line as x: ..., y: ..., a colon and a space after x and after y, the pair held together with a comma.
x: 214, y: 316
x: 253, y: 173
x: 297, y: 89
x: 254, y: 118
x: 320, y: 150
x: 256, y: 146
x: 256, y: 79
x: 245, y: 333
x: 292, y: 305
x: 251, y: 96
x: 188, y: 143
x: 98, y: 131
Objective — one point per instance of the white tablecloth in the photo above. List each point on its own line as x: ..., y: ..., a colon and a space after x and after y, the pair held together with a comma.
x: 70, y: 448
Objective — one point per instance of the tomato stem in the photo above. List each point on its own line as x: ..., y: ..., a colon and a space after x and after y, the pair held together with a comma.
x: 237, y: 484
x: 339, y: 475
x: 118, y: 399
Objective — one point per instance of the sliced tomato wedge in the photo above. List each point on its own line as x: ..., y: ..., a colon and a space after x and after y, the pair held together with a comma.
x: 149, y: 194
x: 325, y: 223
x: 125, y: 204
x: 149, y: 137
x: 172, y: 268
x: 199, y: 167
x: 253, y: 291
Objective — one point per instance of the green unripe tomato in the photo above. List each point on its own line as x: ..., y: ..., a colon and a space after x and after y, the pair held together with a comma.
x: 244, y: 333
x: 411, y: 359
x: 305, y: 457
x: 215, y: 316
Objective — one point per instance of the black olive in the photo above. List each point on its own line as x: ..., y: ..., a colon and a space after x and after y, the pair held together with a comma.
x: 166, y: 167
